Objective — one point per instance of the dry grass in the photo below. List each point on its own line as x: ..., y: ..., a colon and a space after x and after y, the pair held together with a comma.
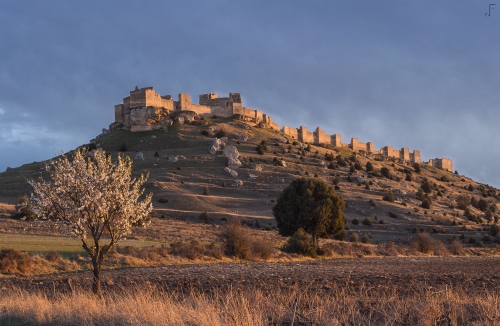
x: 342, y: 306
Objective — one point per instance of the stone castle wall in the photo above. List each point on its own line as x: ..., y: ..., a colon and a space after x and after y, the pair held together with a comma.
x: 134, y: 108
x: 144, y: 109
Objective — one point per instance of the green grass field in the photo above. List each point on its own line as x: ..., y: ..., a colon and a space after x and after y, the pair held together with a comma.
x: 62, y: 245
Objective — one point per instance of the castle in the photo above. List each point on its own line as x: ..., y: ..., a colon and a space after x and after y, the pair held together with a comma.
x: 144, y: 109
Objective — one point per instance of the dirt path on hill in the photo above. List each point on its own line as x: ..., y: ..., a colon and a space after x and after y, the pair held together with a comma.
x: 404, y: 274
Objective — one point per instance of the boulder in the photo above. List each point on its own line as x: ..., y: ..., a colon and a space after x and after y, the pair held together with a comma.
x: 179, y: 120
x: 252, y: 176
x: 230, y: 151
x: 8, y: 168
x: 139, y: 156
x: 188, y: 116
x: 257, y: 167
x: 231, y: 172
x: 233, y: 163
x: 173, y: 158
x: 216, y: 145
x: 282, y: 163
x: 223, y: 139
x: 237, y: 183
x: 242, y: 137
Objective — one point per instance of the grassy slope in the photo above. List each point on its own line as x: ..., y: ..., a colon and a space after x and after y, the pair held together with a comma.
x: 183, y: 182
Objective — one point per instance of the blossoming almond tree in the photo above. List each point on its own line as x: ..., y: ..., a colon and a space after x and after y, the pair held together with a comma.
x: 96, y: 198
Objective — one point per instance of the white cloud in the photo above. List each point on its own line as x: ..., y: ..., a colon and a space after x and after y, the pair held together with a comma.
x: 2, y: 111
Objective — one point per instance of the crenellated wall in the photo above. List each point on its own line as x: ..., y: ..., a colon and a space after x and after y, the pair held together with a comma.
x: 136, y: 114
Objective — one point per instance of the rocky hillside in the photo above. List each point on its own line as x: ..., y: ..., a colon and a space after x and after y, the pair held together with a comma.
x: 187, y: 180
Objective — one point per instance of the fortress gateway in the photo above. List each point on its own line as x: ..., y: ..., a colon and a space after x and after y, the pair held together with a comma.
x: 144, y: 109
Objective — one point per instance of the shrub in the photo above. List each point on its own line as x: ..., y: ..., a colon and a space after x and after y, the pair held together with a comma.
x: 456, y: 248
x: 394, y: 215
x: 470, y: 188
x: 23, y: 209
x: 223, y: 184
x: 358, y: 166
x: 482, y: 204
x: 426, y: 203
x: 206, y: 192
x: 367, y: 221
x: 495, y: 230
x: 373, y: 202
x: 381, y: 222
x: 355, y: 221
x: 123, y: 147
x: 385, y: 172
x: 301, y: 243
x: 207, y: 133
x: 388, y: 197
x: 369, y: 167
x: 15, y: 262
x: 163, y: 200
x: 157, y: 154
x: 463, y: 201
x: 221, y: 133
x: 52, y: 256
x: 236, y: 239
x: 365, y: 238
x: 417, y: 168
x: 408, y: 177
x: 424, y: 243
x: 262, y: 248
x: 205, y: 217
x: 353, y: 237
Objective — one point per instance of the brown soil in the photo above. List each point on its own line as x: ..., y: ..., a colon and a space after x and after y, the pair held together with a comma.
x: 404, y: 274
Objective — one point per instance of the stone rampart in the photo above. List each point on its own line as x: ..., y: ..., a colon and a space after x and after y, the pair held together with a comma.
x: 144, y: 109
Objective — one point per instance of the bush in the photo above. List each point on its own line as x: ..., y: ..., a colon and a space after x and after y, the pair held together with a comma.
x: 157, y: 154
x: 358, y: 166
x: 52, y: 256
x: 456, y: 248
x: 423, y: 242
x: 369, y: 167
x: 163, y: 200
x: 373, y: 202
x: 463, y: 201
x: 221, y: 133
x: 470, y: 188
x: 388, y: 197
x: 495, y: 230
x: 394, y: 215
x: 367, y: 221
x: 205, y: 217
x: 366, y: 238
x: 262, y: 248
x: 355, y: 221
x: 301, y: 243
x: 408, y: 177
x: 354, y: 237
x: 385, y: 172
x: 206, y: 192
x: 15, y: 262
x: 426, y: 203
x: 123, y: 147
x: 207, y: 133
x: 417, y: 168
x: 23, y: 209
x: 236, y: 239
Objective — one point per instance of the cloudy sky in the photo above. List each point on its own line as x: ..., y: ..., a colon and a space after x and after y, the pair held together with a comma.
x: 418, y: 74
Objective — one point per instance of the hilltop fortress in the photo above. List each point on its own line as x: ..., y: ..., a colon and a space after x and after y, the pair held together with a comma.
x: 144, y: 109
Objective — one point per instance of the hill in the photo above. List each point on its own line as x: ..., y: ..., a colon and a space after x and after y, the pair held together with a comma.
x: 182, y: 170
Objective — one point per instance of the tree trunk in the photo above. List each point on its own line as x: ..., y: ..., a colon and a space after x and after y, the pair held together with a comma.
x: 96, y: 282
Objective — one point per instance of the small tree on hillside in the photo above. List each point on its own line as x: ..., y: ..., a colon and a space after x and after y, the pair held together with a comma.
x: 96, y: 198
x: 310, y: 204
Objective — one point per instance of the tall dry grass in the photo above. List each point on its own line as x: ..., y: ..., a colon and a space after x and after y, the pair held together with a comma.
x: 341, y: 306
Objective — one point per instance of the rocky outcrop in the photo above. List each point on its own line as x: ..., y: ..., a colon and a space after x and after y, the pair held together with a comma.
x: 233, y: 163
x: 231, y: 172
x: 139, y: 156
x: 149, y: 118
x: 230, y: 151
x: 237, y: 183
x: 217, y: 145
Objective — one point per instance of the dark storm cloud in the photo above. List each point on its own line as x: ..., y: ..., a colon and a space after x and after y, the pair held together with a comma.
x: 422, y: 75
